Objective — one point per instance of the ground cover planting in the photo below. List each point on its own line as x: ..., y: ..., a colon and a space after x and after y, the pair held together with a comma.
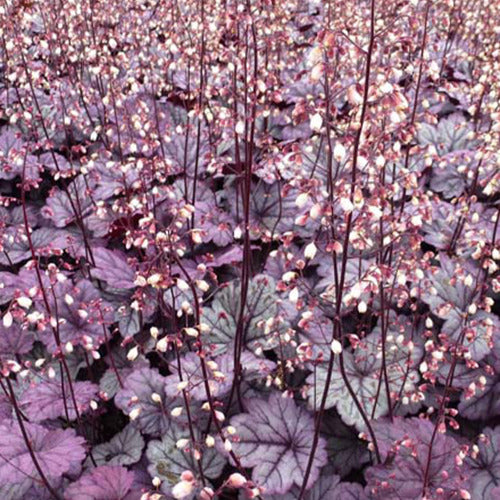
x: 249, y: 249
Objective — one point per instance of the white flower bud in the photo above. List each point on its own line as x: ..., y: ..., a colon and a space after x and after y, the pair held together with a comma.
x: 315, y: 122
x: 182, y: 489
x: 24, y: 302
x: 162, y: 345
x: 134, y: 413
x: 202, y: 285
x: 336, y: 347
x: 219, y: 416
x: 7, y: 320
x: 236, y: 480
x: 472, y: 309
x: 177, y: 411
x: 346, y: 205
x: 310, y: 251
x: 339, y: 152
x: 182, y: 385
x: 237, y: 233
x: 182, y: 285
x: 227, y: 445
x: 289, y: 276
x: 133, y: 353
x: 192, y: 332
x: 302, y: 199
x: 156, y: 397
x: 240, y: 128
x: 181, y: 443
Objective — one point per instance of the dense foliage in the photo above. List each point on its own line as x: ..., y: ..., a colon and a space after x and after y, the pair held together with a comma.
x: 249, y: 249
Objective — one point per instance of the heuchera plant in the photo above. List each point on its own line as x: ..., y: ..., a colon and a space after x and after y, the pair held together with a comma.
x: 249, y: 249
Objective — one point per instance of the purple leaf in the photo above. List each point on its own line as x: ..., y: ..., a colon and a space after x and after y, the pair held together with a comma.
x: 111, y: 266
x: 82, y: 310
x: 485, y: 465
x: 350, y: 491
x: 47, y: 400
x: 440, y: 231
x: 479, y: 329
x: 57, y: 451
x: 449, y: 297
x: 178, y: 158
x: 270, y: 210
x: 484, y: 401
x: 61, y: 164
x: 168, y: 462
x: 355, y: 271
x: 136, y: 395
x: 363, y: 368
x: 404, y: 446
x: 345, y: 450
x: 59, y: 205
x: 449, y: 135
x: 445, y: 176
x: 220, y: 374
x: 108, y: 179
x: 325, y: 487
x: 14, y: 340
x: 22, y: 282
x: 12, y: 156
x: 449, y: 288
x: 223, y: 314
x: 103, y: 483
x: 125, y: 448
x: 109, y: 382
x: 46, y: 242
x: 275, y: 438
x: 229, y: 255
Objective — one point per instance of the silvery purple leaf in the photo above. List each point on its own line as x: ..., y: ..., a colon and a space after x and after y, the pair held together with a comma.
x: 220, y: 374
x: 13, y: 150
x: 14, y: 340
x: 275, y: 439
x: 140, y: 385
x: 124, y: 448
x: 82, y: 313
x: 59, y: 205
x: 485, y: 465
x: 404, y: 446
x: 47, y: 399
x: 451, y: 134
x: 103, y: 483
x: 22, y: 282
x: 112, y: 267
x: 363, y: 368
x: 46, y: 242
x: 57, y: 451
x: 222, y: 316
x: 326, y: 486
x: 168, y: 462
